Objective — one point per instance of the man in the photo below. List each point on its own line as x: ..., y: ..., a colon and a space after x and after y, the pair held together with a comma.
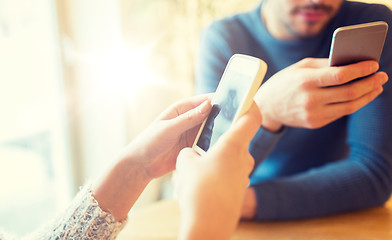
x: 325, y: 143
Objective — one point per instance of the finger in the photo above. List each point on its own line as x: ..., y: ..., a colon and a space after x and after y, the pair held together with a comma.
x: 194, y: 101
x: 184, y: 105
x: 244, y: 129
x: 192, y: 118
x: 338, y: 110
x: 352, y: 90
x: 332, y: 76
x: 185, y: 155
x: 313, y: 63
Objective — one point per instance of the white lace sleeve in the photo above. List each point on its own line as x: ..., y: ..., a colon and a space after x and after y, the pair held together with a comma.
x: 84, y: 219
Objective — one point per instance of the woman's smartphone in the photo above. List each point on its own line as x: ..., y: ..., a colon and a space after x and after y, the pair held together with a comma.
x: 357, y: 43
x: 234, y: 96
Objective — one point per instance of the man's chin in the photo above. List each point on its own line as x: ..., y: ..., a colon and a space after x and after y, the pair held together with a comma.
x: 310, y: 31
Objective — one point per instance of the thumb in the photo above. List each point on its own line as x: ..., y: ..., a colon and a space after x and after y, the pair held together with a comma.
x: 313, y: 63
x: 185, y: 155
x: 185, y: 160
x: 244, y: 129
x: 192, y: 118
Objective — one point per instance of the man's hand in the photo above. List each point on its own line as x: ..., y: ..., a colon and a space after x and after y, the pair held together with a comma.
x: 309, y: 94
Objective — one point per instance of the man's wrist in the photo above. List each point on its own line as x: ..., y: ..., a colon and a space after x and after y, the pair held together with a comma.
x: 267, y: 122
x: 272, y: 126
x: 249, y: 206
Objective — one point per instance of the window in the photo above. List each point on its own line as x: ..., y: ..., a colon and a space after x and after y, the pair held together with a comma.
x: 34, y: 171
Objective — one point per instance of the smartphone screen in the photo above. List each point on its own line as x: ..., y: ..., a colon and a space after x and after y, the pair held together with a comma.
x: 239, y: 84
x: 224, y: 108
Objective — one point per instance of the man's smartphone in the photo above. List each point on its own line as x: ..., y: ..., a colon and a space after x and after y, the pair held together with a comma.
x: 234, y: 96
x: 357, y: 43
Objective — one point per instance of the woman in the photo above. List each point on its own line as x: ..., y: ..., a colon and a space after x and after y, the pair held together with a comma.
x: 210, y: 188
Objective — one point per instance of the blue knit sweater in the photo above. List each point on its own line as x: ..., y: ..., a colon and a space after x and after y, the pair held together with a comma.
x: 300, y: 173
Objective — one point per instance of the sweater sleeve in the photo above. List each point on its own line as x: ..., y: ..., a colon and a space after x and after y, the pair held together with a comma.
x: 84, y: 219
x: 362, y: 180
x: 359, y: 182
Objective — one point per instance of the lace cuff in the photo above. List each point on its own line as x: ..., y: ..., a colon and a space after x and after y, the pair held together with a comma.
x: 84, y: 219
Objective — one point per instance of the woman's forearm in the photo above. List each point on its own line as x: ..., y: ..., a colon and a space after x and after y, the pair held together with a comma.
x: 119, y: 189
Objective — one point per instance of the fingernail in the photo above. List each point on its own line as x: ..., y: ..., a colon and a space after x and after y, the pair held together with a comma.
x: 374, y: 67
x: 204, y: 107
x: 384, y: 80
x: 379, y: 90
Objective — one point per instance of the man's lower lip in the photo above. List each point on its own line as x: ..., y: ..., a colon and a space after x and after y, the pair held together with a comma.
x: 312, y: 16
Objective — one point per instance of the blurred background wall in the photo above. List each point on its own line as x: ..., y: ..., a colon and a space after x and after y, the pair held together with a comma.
x: 79, y: 79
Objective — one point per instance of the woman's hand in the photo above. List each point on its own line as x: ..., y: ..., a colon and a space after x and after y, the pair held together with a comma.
x: 157, y: 147
x: 211, y: 188
x: 152, y: 154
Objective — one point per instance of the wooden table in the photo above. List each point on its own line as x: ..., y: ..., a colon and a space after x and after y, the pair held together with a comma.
x: 161, y: 221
